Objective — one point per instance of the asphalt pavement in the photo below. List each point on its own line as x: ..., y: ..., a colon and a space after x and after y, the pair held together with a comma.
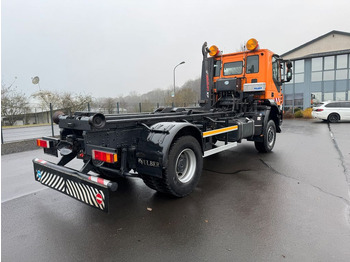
x: 22, y: 133
x: 290, y: 205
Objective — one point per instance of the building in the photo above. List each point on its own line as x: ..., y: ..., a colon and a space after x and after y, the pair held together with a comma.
x: 320, y: 71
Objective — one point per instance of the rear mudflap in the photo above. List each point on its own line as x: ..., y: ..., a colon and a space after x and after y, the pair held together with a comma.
x: 90, y: 190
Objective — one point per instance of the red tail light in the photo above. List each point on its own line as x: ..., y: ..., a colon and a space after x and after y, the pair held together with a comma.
x: 104, y: 156
x: 319, y: 110
x: 43, y: 143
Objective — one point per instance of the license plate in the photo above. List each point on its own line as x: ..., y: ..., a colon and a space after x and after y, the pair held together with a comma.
x: 72, y: 183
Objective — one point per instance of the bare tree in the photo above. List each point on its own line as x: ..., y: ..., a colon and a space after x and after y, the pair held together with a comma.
x: 109, y: 104
x: 64, y: 100
x: 74, y: 102
x: 13, y: 104
x: 46, y: 97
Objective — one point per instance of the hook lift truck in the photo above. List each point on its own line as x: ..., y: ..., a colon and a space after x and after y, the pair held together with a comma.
x: 241, y: 98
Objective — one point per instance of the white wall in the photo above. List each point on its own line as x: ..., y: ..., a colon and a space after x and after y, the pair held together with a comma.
x: 333, y: 42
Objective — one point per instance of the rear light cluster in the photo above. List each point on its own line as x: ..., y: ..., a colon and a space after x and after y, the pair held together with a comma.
x: 104, y: 156
x: 43, y: 143
x: 319, y: 110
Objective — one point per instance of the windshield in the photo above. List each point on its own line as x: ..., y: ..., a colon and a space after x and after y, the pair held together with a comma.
x: 234, y: 68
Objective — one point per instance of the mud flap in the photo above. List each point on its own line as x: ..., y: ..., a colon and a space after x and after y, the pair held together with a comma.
x: 90, y: 190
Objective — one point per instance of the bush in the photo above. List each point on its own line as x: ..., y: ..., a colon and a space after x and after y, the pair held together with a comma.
x: 307, y: 112
x: 298, y: 114
x: 288, y: 114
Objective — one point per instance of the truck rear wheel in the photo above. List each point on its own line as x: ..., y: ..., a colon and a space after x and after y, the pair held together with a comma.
x: 268, y: 139
x: 184, y: 169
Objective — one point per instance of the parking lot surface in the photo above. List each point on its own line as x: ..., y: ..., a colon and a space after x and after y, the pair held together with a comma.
x: 289, y: 205
x: 21, y: 133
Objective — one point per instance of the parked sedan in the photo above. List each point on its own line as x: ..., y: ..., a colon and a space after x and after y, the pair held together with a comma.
x: 332, y: 111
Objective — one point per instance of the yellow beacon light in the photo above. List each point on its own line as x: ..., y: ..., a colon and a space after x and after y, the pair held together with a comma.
x: 213, y: 50
x: 252, y: 44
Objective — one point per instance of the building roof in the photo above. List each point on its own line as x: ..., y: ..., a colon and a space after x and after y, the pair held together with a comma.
x: 315, y: 40
x: 341, y: 52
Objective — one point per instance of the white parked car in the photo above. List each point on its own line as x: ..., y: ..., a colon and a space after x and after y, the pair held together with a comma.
x: 332, y: 111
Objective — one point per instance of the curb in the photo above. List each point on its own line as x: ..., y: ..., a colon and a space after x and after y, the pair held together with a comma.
x: 18, y: 146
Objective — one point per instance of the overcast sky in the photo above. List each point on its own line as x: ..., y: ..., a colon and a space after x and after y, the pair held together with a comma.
x: 108, y: 48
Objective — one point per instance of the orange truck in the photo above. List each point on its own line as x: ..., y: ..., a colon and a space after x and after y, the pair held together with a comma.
x: 241, y: 98
x: 244, y: 82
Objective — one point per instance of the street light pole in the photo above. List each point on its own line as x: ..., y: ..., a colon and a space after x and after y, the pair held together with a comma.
x: 174, y: 81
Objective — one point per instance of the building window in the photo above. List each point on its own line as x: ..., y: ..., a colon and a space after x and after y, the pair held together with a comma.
x: 340, y: 96
x: 342, y: 61
x: 329, y: 63
x: 341, y: 74
x: 316, y: 68
x: 316, y: 76
x: 299, y: 78
x: 299, y: 66
x: 328, y: 75
x: 299, y: 71
x: 318, y: 97
x: 316, y: 64
x: 327, y: 96
x: 288, y: 101
x: 299, y: 100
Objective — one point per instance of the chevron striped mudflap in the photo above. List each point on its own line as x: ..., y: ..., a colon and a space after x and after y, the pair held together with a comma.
x: 90, y: 190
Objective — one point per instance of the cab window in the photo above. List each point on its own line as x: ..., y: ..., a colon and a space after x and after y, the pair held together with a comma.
x: 217, y: 68
x: 234, y: 68
x: 276, y: 70
x: 252, y: 64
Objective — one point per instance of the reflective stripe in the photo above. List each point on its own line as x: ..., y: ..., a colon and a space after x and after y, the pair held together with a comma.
x: 99, y: 180
x: 219, y: 131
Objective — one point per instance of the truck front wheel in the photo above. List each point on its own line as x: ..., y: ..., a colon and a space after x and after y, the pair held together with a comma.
x: 269, y: 138
x: 183, y: 171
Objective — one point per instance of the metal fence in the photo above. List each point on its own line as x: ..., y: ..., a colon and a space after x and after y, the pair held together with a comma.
x: 39, y: 116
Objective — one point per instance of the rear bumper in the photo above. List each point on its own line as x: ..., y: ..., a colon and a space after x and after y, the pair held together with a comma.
x: 90, y: 190
x: 318, y: 115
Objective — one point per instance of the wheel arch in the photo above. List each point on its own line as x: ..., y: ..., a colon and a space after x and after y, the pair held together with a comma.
x: 276, y: 116
x: 171, y: 132
x: 334, y: 113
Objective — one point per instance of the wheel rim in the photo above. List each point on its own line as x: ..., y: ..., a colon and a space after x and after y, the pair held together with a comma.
x: 333, y: 118
x: 185, y: 165
x: 270, y: 136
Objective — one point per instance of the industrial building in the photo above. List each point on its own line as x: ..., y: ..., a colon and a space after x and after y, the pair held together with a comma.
x: 320, y: 71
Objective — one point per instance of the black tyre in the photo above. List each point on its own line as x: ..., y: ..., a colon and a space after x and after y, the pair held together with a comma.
x: 269, y: 138
x: 333, y: 118
x: 184, y: 169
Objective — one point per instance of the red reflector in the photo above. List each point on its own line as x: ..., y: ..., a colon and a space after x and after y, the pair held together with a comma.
x: 104, y: 156
x: 42, y: 143
x: 319, y: 110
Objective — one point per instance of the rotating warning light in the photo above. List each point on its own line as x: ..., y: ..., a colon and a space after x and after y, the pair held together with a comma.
x: 252, y: 44
x: 213, y: 50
